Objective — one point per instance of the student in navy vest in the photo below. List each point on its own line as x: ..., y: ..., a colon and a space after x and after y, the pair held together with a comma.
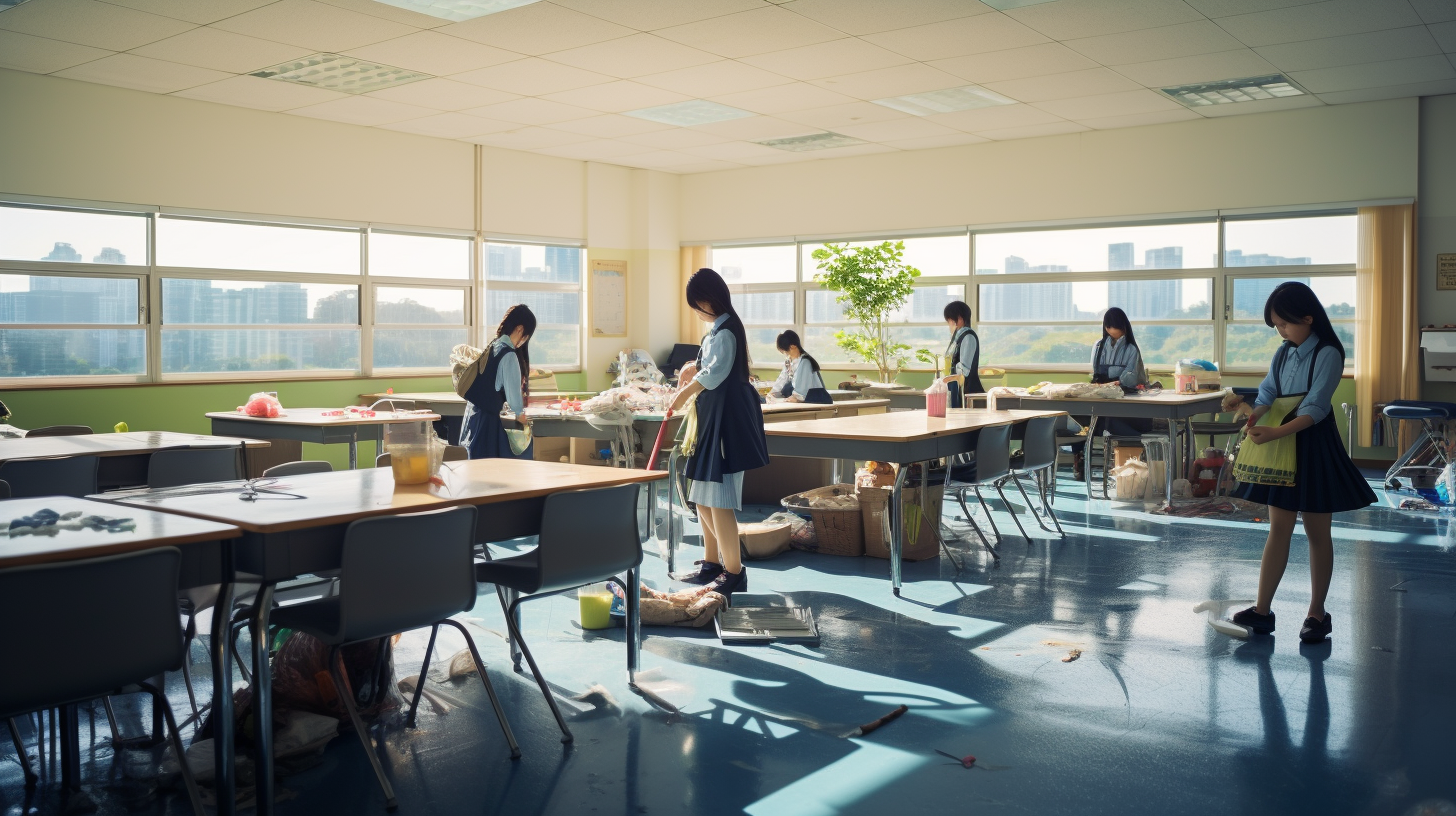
x: 502, y: 383
x: 1116, y: 358
x: 1304, y: 374
x: 730, y: 432
x: 964, y: 350
x: 800, y: 380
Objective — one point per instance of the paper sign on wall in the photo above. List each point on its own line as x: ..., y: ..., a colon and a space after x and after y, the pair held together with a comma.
x: 1446, y: 270
x: 608, y: 298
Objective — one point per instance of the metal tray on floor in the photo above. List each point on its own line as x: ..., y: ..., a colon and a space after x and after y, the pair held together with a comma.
x: 767, y: 624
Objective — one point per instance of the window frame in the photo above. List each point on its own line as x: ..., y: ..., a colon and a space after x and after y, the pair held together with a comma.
x: 488, y: 322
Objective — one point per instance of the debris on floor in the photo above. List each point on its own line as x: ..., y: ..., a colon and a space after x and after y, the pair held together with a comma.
x: 966, y: 761
x: 1224, y: 508
x: 871, y: 726
x: 1072, y: 655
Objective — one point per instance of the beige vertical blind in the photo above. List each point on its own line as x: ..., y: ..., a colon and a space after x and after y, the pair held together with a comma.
x: 1387, y: 336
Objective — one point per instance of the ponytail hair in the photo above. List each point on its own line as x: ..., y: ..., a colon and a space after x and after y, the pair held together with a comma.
x: 707, y: 288
x: 791, y: 338
x: 1294, y: 301
x: 520, y: 316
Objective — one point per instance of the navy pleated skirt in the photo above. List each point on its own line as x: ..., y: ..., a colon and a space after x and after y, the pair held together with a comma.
x: 1326, y: 480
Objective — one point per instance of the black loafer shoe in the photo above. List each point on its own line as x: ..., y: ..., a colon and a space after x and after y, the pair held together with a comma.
x: 1315, y: 630
x: 726, y: 583
x: 1259, y: 624
x: 705, y: 572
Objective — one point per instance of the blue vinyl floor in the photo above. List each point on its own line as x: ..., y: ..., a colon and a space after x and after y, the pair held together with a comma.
x: 1159, y: 715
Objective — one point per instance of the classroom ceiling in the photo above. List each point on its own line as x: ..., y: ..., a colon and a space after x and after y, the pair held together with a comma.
x: 560, y: 77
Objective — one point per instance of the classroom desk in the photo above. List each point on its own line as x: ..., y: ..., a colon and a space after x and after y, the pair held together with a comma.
x: 913, y: 399
x: 283, y: 537
x: 310, y: 425
x: 206, y: 550
x: 123, y: 456
x: 1165, y: 405
x: 449, y: 403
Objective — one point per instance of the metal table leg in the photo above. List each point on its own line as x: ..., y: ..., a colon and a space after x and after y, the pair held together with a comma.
x: 222, y: 691
x: 1168, y: 466
x: 1087, y: 453
x: 897, y: 525
x: 634, y: 625
x: 263, y: 701
x: 354, y: 448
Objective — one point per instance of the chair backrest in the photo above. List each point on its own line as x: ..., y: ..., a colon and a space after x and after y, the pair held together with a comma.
x: 587, y: 536
x: 4, y: 490
x: 82, y: 629
x: 62, y: 476
x: 60, y: 430
x: 299, y: 468
x: 184, y: 466
x: 1039, y: 445
x: 456, y: 453
x: 993, y: 453
x: 404, y: 572
x: 383, y: 460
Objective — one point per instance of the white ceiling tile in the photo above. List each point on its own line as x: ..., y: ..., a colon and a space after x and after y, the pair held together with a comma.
x: 1376, y: 74
x: 1064, y: 86
x: 317, y: 26
x: 1445, y: 34
x: 142, y: 74
x: 852, y: 150
x: 751, y: 32
x: 208, y: 47
x: 1164, y: 42
x: 443, y: 95
x: 1006, y: 116
x: 658, y: 158
x: 1260, y: 106
x: 39, y: 55
x: 263, y: 94
x: 1435, y: 11
x: 1125, y: 103
x: 1334, y: 18
x: 1434, y: 88
x: 529, y: 138
x: 648, y: 15
x: 675, y: 138
x: 633, y: 56
x: 714, y: 79
x: 1228, y: 8
x: 706, y: 166
x: 847, y: 56
x: 731, y: 151
x: 451, y: 126
x: 363, y: 110
x: 910, y: 127
x: 757, y: 128
x: 835, y: 117
x: 1016, y: 63
x: 532, y: 77
x: 616, y: 97
x: 931, y: 142
x: 414, y: 19
x: 1139, y: 119
x: 780, y: 157
x: 1070, y: 19
x: 200, y: 12
x: 1200, y: 68
x: 860, y: 17
x: 886, y: 82
x: 609, y: 126
x: 531, y: 111
x: 434, y: 53
x: 539, y: 28
x: 595, y: 150
x: 781, y: 98
x: 1033, y: 131
x: 968, y: 35
x: 87, y: 22
x: 1373, y: 46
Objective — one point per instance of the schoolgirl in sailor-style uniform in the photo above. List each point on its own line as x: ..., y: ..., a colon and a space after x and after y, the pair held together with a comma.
x: 803, y: 382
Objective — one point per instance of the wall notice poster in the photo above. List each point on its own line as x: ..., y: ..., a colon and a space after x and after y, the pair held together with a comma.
x: 608, y: 298
x: 1446, y: 270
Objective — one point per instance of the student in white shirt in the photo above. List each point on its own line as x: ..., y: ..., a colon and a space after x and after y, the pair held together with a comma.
x: 800, y: 380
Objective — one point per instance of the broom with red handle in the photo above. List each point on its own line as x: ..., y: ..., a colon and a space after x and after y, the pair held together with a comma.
x: 657, y: 446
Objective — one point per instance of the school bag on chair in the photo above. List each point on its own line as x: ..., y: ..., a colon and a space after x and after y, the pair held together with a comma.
x: 466, y: 363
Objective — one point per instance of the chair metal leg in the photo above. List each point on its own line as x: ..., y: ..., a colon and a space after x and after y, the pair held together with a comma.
x: 1011, y: 510
x: 336, y: 671
x: 1040, y: 522
x: 161, y: 701
x: 500, y: 713
x: 30, y: 776
x: 982, y: 499
x: 424, y: 670
x: 1041, y: 486
x: 513, y: 623
x: 238, y: 626
x: 961, y: 497
x: 111, y: 720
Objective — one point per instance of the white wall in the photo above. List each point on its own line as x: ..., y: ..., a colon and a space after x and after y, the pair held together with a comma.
x: 1436, y: 218
x: 1307, y: 156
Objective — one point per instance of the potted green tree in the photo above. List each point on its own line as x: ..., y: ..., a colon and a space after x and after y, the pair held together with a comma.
x: 872, y: 282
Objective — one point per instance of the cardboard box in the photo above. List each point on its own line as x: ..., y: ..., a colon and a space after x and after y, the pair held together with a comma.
x: 1122, y: 453
x: 874, y: 504
x: 551, y: 449
x: 785, y: 476
x: 761, y: 540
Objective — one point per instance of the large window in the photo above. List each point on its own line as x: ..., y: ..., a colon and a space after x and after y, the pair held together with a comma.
x: 54, y: 326
x: 548, y: 280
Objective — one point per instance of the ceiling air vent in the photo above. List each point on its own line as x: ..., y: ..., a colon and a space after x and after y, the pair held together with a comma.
x: 335, y: 72
x: 689, y: 113
x: 813, y: 141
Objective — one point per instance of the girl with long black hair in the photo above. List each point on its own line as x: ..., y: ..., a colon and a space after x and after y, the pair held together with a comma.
x: 1301, y: 380
x: 501, y: 382
x: 730, y: 431
x: 1115, y: 358
x: 801, y: 381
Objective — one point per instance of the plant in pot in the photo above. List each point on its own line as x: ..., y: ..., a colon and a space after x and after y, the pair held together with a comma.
x: 872, y: 282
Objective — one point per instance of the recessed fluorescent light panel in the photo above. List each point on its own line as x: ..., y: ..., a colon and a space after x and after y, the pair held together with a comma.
x: 335, y: 72
x: 814, y: 141
x: 948, y: 100
x: 689, y: 113
x: 456, y: 10
x: 1230, y: 91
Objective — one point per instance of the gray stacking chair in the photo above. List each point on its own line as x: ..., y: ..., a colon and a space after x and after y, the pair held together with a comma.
x: 298, y: 468
x: 399, y: 573
x: 1039, y: 461
x: 586, y: 536
x: 993, y: 467
x: 61, y: 476
x: 118, y: 625
x: 60, y: 430
x: 183, y: 466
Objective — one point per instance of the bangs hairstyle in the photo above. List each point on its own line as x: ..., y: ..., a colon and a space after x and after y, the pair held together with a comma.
x: 708, y: 288
x: 1115, y: 318
x: 520, y: 316
x: 958, y: 310
x: 791, y: 338
x: 1294, y: 301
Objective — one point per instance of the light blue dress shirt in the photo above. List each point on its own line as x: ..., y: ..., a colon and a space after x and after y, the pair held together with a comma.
x: 805, y: 378
x: 968, y: 351
x: 508, y: 374
x: 719, y: 349
x: 1124, y: 361
x: 785, y: 377
x: 1294, y: 377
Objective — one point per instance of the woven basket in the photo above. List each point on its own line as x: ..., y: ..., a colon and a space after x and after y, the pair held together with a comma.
x: 840, y: 532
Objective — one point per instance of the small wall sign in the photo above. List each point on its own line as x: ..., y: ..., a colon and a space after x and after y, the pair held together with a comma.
x: 1446, y: 270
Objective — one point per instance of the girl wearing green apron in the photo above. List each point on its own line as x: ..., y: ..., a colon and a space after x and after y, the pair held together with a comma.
x: 1293, y: 459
